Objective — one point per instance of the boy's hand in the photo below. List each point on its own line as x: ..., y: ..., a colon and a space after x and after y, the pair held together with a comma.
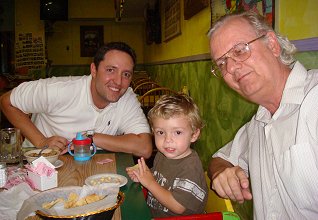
x: 143, y: 173
x: 130, y: 173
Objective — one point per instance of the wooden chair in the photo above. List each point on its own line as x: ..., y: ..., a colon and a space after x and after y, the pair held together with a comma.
x: 142, y: 80
x: 145, y: 87
x: 149, y: 99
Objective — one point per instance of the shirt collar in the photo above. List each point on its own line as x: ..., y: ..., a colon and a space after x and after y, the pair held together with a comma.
x: 294, y: 91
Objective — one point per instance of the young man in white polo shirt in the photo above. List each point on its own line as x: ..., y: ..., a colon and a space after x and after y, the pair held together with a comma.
x: 101, y: 101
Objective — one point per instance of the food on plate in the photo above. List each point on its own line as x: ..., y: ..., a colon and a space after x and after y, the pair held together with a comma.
x: 48, y: 154
x: 73, y: 201
x: 88, y: 199
x: 104, y: 179
x: 48, y: 205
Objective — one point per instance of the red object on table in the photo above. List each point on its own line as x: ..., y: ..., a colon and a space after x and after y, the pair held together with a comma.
x: 207, y: 216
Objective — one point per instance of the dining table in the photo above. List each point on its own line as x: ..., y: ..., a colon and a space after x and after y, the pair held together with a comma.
x: 74, y: 173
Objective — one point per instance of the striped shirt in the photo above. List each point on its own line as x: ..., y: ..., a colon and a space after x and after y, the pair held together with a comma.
x: 280, y: 152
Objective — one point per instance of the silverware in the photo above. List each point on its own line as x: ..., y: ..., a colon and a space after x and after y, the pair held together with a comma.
x: 45, y: 147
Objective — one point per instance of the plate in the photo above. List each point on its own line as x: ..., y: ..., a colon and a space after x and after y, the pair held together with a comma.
x: 106, y: 178
x: 58, y: 164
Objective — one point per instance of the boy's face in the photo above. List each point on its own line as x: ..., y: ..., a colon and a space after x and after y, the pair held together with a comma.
x: 174, y: 136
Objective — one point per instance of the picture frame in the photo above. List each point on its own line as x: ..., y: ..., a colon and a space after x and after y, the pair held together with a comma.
x: 263, y: 7
x: 91, y: 38
x: 172, y: 19
x: 192, y: 7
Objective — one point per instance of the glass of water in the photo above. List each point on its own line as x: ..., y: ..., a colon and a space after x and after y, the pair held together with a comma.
x: 10, y: 146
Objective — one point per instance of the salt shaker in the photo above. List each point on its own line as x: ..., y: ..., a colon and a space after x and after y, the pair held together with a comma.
x: 3, y: 174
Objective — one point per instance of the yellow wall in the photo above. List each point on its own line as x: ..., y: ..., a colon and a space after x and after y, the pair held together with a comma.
x: 88, y: 9
x: 66, y: 34
x: 192, y: 41
x: 294, y: 19
x: 27, y: 18
x: 297, y: 19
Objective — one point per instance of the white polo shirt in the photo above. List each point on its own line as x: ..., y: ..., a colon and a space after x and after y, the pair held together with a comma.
x: 63, y: 106
x: 280, y: 152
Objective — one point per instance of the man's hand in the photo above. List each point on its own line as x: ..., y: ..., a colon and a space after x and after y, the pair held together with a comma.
x: 232, y: 183
x: 56, y: 142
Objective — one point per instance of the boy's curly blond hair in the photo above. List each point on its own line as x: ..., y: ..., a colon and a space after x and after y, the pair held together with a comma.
x: 169, y: 106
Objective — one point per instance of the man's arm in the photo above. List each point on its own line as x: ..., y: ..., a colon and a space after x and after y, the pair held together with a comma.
x: 22, y: 121
x: 139, y: 145
x: 229, y: 181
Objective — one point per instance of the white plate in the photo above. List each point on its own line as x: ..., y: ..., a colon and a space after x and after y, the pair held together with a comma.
x: 106, y: 178
x: 58, y: 164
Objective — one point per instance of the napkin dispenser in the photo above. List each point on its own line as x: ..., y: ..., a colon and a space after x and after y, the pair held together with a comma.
x: 42, y: 174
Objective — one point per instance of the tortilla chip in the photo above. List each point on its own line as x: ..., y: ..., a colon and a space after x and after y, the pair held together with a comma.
x: 48, y: 205
x: 72, y: 199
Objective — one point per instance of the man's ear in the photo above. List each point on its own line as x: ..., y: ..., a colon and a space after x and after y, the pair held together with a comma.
x: 93, y: 70
x: 195, y: 135
x: 273, y: 43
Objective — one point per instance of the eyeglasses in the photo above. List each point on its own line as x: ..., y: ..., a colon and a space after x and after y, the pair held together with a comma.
x: 239, y: 53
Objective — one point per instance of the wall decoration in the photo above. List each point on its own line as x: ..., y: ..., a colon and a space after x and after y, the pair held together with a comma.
x: 91, y: 38
x: 29, y: 52
x: 192, y: 7
x: 263, y: 7
x: 172, y: 24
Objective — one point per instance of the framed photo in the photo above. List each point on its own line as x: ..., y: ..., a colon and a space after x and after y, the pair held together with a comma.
x: 263, y: 7
x: 172, y: 23
x: 91, y: 38
x: 192, y: 7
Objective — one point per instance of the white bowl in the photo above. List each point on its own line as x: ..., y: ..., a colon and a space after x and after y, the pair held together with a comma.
x: 49, y: 154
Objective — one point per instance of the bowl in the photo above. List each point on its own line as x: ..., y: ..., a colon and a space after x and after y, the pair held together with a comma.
x: 50, y: 154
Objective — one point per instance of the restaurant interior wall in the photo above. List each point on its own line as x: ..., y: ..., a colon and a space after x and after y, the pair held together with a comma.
x: 63, y: 37
x: 175, y: 63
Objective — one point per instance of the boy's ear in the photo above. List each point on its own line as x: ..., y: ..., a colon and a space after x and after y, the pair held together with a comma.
x: 195, y: 135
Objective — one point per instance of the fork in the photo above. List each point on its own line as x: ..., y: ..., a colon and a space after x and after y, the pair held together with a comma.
x: 45, y: 147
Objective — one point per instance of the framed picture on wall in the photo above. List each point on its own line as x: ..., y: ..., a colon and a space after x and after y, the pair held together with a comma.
x: 172, y: 23
x: 263, y: 7
x: 192, y: 7
x: 91, y: 38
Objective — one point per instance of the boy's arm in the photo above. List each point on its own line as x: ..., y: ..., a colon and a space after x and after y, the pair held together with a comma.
x: 163, y: 195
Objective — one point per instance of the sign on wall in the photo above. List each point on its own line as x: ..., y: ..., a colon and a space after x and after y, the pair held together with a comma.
x: 29, y: 52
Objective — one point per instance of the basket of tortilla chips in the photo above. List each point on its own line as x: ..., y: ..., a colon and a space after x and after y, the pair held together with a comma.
x: 87, y: 202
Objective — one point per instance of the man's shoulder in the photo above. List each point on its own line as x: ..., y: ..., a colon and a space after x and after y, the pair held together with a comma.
x: 66, y: 80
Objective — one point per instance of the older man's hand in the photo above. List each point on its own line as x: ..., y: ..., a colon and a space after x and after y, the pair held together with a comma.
x: 232, y: 183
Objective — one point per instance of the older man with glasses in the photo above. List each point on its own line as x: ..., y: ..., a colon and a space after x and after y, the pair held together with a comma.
x: 274, y: 157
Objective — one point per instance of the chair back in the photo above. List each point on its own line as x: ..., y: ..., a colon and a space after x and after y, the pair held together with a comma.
x: 149, y: 99
x: 144, y: 87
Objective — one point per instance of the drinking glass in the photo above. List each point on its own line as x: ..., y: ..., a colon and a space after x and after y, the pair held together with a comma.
x: 10, y: 146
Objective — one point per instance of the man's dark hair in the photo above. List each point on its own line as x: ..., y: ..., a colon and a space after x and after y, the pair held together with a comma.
x: 121, y: 46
